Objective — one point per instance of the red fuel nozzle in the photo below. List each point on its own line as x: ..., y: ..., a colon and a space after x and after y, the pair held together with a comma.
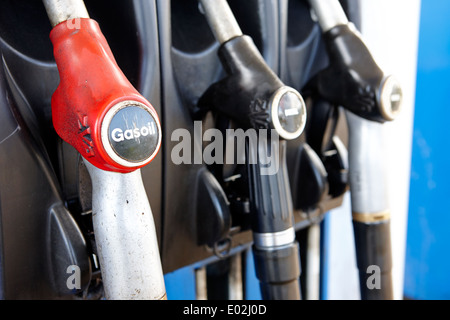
x: 95, y: 108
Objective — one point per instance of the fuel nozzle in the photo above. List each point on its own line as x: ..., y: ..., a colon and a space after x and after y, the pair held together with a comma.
x: 116, y: 130
x: 353, y: 79
x: 251, y: 94
x: 95, y: 108
x: 254, y: 97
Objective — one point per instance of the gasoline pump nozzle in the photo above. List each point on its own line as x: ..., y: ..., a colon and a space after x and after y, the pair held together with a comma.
x: 254, y: 97
x: 354, y: 81
x: 116, y: 131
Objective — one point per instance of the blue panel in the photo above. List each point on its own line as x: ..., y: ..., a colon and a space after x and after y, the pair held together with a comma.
x: 427, y: 262
x: 252, y: 291
x: 324, y: 256
x: 180, y: 284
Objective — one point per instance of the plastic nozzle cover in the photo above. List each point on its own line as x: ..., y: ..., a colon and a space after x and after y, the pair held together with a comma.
x: 95, y: 108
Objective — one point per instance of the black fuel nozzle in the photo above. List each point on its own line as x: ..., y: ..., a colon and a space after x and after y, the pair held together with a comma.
x: 254, y: 97
x: 353, y: 79
x: 252, y: 94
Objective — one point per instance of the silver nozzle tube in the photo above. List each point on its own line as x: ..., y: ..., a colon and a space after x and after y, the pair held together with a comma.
x: 221, y: 19
x: 62, y: 10
x: 329, y: 13
x: 367, y: 167
x: 125, y: 235
x: 313, y: 263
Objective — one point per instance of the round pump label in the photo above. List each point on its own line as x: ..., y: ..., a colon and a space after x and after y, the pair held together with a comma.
x: 390, y: 97
x: 288, y: 113
x: 133, y: 134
